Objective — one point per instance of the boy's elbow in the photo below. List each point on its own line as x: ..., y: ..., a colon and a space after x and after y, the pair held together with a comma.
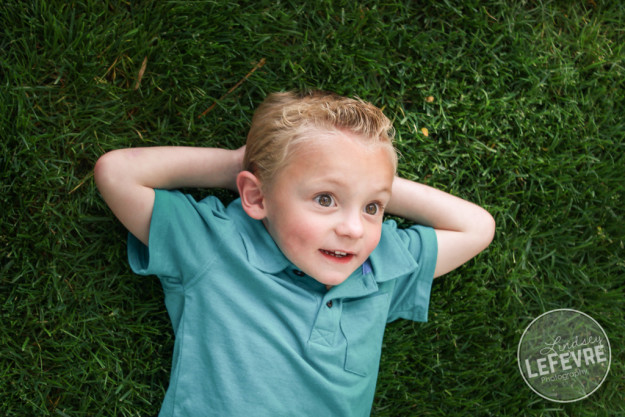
x: 487, y: 229
x: 105, y: 170
x: 101, y: 170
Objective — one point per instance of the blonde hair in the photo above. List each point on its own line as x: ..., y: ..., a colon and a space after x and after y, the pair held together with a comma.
x: 286, y: 119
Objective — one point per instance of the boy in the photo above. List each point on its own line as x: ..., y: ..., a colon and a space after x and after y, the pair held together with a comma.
x: 279, y: 301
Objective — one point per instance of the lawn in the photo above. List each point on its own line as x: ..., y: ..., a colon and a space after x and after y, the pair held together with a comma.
x: 515, y: 105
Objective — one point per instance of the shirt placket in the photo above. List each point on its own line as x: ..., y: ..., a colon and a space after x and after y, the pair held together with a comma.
x: 326, y: 327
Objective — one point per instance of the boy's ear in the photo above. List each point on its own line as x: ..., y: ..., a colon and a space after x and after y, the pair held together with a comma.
x: 252, y: 198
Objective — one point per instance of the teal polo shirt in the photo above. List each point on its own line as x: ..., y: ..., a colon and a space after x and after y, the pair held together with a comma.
x: 254, y: 336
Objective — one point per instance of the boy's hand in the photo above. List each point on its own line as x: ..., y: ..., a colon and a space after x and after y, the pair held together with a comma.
x: 127, y: 178
x: 463, y: 229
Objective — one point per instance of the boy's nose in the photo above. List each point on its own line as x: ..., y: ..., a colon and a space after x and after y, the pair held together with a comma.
x: 351, y: 225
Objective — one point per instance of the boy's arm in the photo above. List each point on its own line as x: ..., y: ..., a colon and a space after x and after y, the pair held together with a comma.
x: 127, y: 178
x: 463, y: 229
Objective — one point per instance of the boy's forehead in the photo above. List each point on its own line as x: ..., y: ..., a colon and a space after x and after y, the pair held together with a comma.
x: 332, y: 149
x: 322, y: 139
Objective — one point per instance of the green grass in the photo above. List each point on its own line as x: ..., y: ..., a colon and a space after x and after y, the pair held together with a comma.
x: 526, y: 120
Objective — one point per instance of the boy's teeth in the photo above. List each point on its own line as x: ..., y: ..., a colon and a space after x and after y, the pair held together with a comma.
x: 336, y: 253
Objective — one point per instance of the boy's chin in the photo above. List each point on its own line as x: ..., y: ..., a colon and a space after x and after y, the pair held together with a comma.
x: 330, y: 282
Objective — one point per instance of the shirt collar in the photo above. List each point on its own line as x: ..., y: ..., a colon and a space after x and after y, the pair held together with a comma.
x: 262, y: 251
x: 389, y: 260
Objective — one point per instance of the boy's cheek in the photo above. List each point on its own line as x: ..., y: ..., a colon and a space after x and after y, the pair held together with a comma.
x: 375, y: 239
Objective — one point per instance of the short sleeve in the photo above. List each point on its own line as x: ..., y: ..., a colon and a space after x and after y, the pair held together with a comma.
x: 184, y: 237
x: 411, y: 293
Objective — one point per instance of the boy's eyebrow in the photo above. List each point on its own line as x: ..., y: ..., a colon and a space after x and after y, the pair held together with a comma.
x: 338, y: 181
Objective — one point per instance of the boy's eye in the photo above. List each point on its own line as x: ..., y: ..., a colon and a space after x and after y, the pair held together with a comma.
x: 371, y: 209
x: 324, y: 200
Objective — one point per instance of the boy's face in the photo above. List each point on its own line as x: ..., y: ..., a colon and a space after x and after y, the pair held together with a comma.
x: 324, y: 209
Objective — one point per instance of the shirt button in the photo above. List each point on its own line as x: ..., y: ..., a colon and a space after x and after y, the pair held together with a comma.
x: 329, y: 304
x: 299, y: 273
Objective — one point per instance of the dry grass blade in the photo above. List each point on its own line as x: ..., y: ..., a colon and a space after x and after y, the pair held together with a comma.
x: 256, y: 67
x: 141, y: 72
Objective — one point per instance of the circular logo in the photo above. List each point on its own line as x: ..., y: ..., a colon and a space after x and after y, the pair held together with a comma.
x: 564, y: 355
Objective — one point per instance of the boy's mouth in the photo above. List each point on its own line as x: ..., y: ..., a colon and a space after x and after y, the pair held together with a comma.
x: 337, y: 254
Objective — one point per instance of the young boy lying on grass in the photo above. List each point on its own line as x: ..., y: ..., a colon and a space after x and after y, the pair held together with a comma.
x: 279, y: 300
